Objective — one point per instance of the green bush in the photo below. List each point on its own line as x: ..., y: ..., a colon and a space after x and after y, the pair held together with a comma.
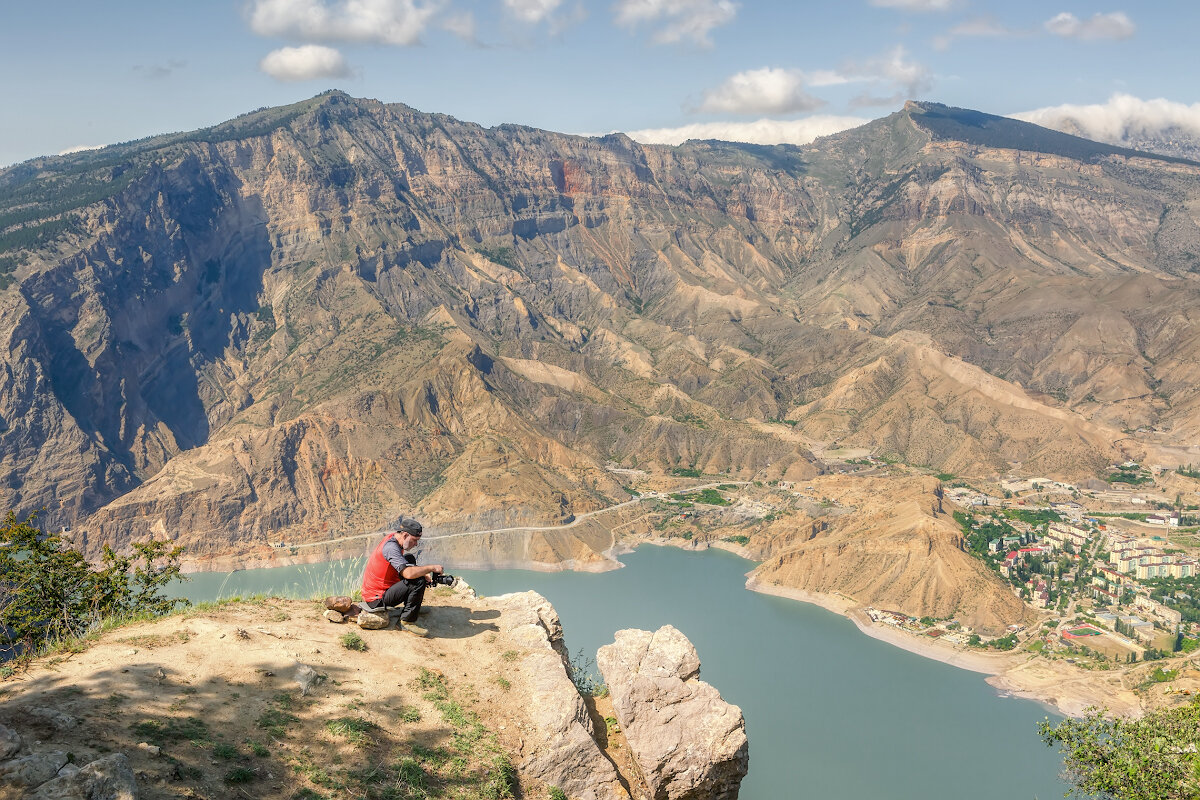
x: 50, y: 592
x: 1151, y: 758
x: 352, y: 641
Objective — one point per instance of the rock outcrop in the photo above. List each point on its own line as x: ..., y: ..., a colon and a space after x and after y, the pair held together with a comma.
x: 44, y: 773
x: 566, y: 754
x: 689, y: 743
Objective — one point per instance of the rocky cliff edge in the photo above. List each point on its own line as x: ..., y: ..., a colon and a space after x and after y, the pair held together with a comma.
x: 268, y: 699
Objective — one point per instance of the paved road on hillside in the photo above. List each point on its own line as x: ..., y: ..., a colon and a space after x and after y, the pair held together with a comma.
x: 578, y: 519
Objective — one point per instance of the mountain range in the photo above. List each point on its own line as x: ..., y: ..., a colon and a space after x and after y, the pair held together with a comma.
x: 309, y: 319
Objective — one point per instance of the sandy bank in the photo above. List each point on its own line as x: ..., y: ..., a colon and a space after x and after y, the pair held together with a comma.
x: 1064, y: 688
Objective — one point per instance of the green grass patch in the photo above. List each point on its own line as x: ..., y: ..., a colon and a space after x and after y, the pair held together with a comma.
x: 352, y: 641
x: 188, y: 729
x: 352, y: 729
x: 276, y: 722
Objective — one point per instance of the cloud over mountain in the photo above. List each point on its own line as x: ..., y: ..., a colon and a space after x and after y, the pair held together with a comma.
x: 1121, y: 118
x: 761, y: 91
x: 763, y: 131
x: 394, y: 22
x: 305, y: 63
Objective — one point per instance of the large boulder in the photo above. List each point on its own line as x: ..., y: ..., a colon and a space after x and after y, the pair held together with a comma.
x: 563, y: 752
x: 107, y: 778
x: 10, y: 743
x: 689, y: 743
x: 20, y: 775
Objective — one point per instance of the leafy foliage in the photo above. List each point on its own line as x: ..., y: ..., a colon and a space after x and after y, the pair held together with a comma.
x: 1152, y: 758
x: 49, y: 591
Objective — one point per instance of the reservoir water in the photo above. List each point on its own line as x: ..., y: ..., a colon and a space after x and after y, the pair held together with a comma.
x: 830, y: 713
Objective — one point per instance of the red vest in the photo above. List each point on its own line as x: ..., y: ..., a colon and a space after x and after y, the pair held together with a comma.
x: 379, y: 575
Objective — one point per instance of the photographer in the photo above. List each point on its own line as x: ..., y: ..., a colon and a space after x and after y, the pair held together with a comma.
x: 392, y: 577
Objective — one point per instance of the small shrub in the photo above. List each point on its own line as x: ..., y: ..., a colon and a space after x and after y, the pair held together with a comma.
x: 259, y: 749
x: 510, y: 655
x: 239, y: 775
x: 352, y: 641
x: 556, y: 793
x: 580, y: 669
x: 225, y: 751
x: 502, y: 682
x: 410, y: 715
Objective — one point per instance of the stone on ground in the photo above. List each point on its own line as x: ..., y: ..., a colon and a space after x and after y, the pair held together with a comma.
x: 340, y: 604
x: 373, y: 620
x: 107, y: 778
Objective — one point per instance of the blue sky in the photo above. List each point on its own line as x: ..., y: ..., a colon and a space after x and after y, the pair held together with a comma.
x: 85, y: 74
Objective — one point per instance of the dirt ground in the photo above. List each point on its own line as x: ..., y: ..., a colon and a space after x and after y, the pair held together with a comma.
x: 262, y: 699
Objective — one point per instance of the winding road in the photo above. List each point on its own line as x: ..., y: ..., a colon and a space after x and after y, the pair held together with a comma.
x: 578, y: 519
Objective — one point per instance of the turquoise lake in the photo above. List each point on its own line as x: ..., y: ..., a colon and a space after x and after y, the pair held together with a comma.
x: 830, y: 713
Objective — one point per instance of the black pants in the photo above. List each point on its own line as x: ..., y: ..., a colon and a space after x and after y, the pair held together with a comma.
x: 406, y: 593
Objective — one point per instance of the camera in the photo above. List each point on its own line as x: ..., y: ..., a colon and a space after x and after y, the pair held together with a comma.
x: 440, y: 580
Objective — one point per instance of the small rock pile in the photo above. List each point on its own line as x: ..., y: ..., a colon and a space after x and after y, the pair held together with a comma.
x: 30, y: 772
x: 343, y: 609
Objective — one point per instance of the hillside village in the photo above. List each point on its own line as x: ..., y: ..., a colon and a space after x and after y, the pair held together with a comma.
x: 1114, y: 585
x: 1109, y: 567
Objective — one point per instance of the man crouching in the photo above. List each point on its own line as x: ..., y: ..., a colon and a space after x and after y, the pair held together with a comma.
x: 392, y: 577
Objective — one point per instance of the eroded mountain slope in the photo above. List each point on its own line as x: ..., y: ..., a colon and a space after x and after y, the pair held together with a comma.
x: 316, y: 317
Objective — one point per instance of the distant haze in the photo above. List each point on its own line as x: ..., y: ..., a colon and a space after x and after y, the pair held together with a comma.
x: 763, y: 131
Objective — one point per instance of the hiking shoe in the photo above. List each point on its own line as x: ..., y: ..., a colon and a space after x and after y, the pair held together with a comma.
x: 413, y: 628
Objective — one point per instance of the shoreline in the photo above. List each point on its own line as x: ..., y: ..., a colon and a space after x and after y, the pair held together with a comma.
x: 1056, y: 685
x: 1059, y: 687
x: 955, y: 656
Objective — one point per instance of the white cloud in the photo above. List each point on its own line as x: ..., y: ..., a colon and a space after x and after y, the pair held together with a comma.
x: 762, y: 91
x: 1114, y: 25
x: 397, y: 22
x: 1122, y: 120
x: 763, y: 131
x: 915, y: 5
x: 978, y: 28
x: 679, y: 19
x: 891, y: 70
x: 462, y: 26
x: 304, y: 63
x: 531, y: 11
